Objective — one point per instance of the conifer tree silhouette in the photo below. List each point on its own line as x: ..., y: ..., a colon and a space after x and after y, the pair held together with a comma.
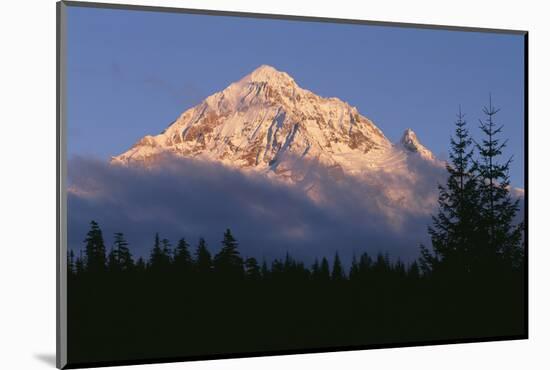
x: 454, y: 233
x: 277, y: 268
x: 414, y: 271
x: 316, y: 270
x: 112, y: 261
x: 228, y: 261
x: 354, y: 269
x: 159, y: 260
x: 498, y: 209
x: 381, y: 265
x: 252, y: 269
x: 337, y: 270
x: 399, y: 269
x: 140, y: 265
x: 183, y: 262
x: 324, y: 270
x: 120, y: 258
x: 95, y: 249
x: 79, y: 265
x: 124, y: 258
x: 70, y: 263
x: 167, y: 249
x: 203, y: 258
x: 364, y: 267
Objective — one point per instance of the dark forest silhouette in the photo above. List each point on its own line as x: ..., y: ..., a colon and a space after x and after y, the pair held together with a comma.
x: 183, y: 301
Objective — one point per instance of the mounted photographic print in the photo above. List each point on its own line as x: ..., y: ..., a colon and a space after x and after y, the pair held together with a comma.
x: 235, y: 184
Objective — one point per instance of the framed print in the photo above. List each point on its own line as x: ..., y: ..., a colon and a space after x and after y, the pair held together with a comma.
x: 234, y: 184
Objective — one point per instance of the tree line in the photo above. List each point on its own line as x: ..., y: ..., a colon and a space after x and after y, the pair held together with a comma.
x: 227, y: 263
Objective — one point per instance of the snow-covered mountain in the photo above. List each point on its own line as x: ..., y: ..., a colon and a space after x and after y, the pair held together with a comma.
x: 266, y: 122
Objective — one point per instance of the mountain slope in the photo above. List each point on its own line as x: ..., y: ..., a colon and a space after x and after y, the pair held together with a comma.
x: 266, y: 122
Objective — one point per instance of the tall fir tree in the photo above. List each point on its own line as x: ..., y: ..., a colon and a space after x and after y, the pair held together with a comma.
x: 503, y: 239
x: 96, y: 258
x: 454, y: 233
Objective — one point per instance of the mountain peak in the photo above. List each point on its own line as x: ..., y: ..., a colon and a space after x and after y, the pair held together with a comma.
x: 267, y: 73
x: 266, y: 122
x: 409, y: 137
x: 410, y: 142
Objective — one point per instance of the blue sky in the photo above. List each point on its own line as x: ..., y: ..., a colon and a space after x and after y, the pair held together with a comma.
x: 131, y: 73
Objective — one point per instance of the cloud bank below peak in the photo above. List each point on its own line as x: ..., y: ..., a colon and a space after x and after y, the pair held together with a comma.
x: 316, y: 217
